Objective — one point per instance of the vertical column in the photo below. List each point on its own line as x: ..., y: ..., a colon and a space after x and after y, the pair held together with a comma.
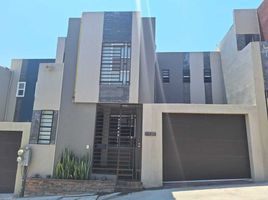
x: 197, y: 87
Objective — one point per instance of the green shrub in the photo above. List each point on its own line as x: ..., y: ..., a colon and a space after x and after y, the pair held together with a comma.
x: 71, y: 166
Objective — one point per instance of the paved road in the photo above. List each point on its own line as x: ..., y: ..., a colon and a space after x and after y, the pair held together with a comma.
x: 235, y: 192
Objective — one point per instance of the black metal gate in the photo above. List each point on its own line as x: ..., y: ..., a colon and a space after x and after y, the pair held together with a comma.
x: 117, y: 145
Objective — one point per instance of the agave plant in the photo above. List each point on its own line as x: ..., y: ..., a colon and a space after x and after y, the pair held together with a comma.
x: 71, y: 166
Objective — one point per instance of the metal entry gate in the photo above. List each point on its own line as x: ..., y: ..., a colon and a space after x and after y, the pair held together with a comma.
x: 117, y: 144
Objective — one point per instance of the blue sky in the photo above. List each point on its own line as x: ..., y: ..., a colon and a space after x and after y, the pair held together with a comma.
x: 29, y: 28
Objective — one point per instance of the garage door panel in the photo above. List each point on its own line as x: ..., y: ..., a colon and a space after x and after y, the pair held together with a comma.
x: 9, y: 137
x: 8, y: 150
x: 8, y: 163
x: 220, y: 147
x: 204, y: 147
x: 206, y: 125
x: 9, y: 145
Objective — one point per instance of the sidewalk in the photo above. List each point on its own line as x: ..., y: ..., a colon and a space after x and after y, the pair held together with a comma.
x: 226, y: 192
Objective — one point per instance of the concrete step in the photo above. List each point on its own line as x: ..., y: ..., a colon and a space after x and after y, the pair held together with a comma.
x: 128, y: 186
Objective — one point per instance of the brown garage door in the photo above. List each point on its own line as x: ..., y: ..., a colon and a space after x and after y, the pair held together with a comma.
x: 9, y: 145
x: 204, y: 147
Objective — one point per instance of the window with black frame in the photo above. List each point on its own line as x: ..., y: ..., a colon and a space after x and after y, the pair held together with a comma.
x: 115, y: 63
x: 165, y: 76
x: 45, y: 128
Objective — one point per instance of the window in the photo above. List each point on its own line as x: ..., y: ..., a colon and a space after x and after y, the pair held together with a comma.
x: 207, y: 75
x: 21, y: 89
x: 186, y: 75
x: 45, y: 128
x: 165, y: 75
x: 115, y: 63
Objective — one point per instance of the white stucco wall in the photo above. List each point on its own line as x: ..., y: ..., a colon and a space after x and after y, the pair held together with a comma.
x: 42, y: 161
x: 48, y: 87
x: 89, y: 58
x: 197, y: 86
x: 60, y: 50
x: 218, y: 88
x: 239, y: 78
x: 135, y: 58
x: 16, y: 65
x: 246, y: 21
x: 5, y: 81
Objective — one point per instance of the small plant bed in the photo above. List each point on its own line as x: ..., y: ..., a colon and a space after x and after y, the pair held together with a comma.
x: 71, y: 166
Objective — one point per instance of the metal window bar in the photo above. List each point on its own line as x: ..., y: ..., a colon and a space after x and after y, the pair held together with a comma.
x: 115, y: 63
x: 45, y: 127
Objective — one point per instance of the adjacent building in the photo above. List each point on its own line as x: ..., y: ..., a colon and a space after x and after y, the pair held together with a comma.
x: 142, y: 115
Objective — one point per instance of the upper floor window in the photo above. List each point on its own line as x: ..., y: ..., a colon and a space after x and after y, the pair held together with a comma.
x: 115, y: 63
x: 45, y: 128
x: 165, y: 76
x: 207, y: 75
x: 21, y: 89
x: 186, y: 75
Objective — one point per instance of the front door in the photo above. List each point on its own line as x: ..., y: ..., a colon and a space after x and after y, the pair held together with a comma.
x: 117, y: 145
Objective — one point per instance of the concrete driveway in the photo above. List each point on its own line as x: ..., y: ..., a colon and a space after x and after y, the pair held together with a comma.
x: 235, y: 192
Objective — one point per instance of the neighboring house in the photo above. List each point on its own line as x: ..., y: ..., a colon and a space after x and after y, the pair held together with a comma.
x: 143, y: 115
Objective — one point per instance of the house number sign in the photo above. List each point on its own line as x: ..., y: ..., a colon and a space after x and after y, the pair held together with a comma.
x: 150, y: 133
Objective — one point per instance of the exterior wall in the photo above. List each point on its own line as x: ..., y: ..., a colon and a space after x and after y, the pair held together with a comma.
x: 89, y: 58
x: 5, y: 80
x: 25, y: 129
x: 171, y: 92
x: 135, y: 58
x: 239, y: 72
x: 197, y: 87
x: 29, y: 74
x: 147, y: 61
x: 60, y: 50
x: 47, y: 97
x: 260, y: 99
x: 48, y: 87
x: 42, y: 160
x: 16, y: 69
x: 228, y: 47
x: 218, y: 88
x: 263, y: 19
x: 76, y: 120
x: 246, y: 71
x: 152, y: 152
x: 246, y: 21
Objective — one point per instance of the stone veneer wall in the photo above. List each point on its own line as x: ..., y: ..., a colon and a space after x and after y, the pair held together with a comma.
x: 46, y: 187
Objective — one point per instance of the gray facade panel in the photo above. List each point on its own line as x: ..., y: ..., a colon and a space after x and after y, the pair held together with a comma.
x: 117, y: 27
x: 76, y: 121
x: 171, y: 92
x: 114, y: 93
